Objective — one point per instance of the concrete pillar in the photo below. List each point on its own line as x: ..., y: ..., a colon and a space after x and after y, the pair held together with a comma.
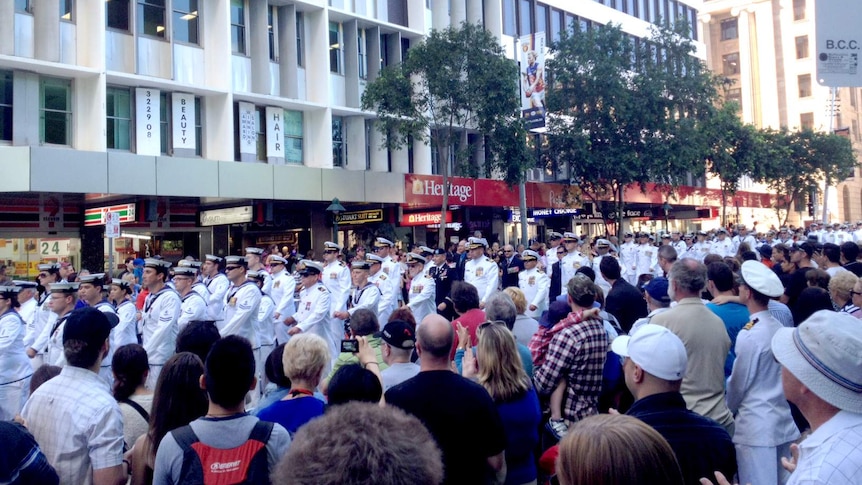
x: 379, y: 156
x: 317, y: 67
x: 373, y: 37
x: 400, y: 161
x: 494, y: 18
x: 458, y: 13
x: 258, y: 33
x: 474, y: 12
x: 479, y: 153
x: 318, y: 134
x: 287, y: 55
x: 46, y: 25
x: 217, y: 55
x: 351, y: 63
x: 354, y: 137
x: 88, y: 117
x: 439, y: 14
x: 7, y: 28
x: 218, y: 127
x: 421, y: 157
x: 25, y: 116
x: 90, y: 46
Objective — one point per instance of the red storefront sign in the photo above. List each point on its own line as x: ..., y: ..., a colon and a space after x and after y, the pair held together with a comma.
x: 424, y: 218
x: 427, y: 191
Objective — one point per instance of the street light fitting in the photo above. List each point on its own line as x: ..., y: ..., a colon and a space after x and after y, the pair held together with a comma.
x: 335, y: 207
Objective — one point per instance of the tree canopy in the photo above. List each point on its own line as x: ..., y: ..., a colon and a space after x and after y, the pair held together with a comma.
x: 623, y: 112
x: 456, y: 79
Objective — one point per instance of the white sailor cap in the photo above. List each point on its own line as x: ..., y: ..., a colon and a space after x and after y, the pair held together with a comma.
x: 761, y: 279
x: 373, y: 259
x: 121, y: 283
x: 381, y: 242
x: 255, y: 251
x: 554, y: 235
x: 329, y: 246
x: 49, y: 267
x: 24, y: 285
x: 570, y: 237
x: 95, y: 279
x: 413, y: 258
x: 603, y: 243
x: 234, y: 259
x: 188, y: 263
x: 529, y: 255
x: 426, y: 249
x: 157, y: 263
x: 665, y: 236
x: 185, y: 271
x: 277, y: 259
x: 257, y: 275
x: 476, y: 242
x: 68, y: 288
x: 213, y: 258
x: 360, y: 265
x: 307, y: 267
x: 8, y: 291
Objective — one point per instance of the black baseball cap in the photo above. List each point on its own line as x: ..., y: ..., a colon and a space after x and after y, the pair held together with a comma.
x: 89, y: 325
x: 398, y: 334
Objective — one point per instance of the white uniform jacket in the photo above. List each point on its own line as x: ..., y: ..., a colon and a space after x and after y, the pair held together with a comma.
x: 483, y: 273
x: 241, y: 304
x: 160, y: 316
x: 217, y: 286
x: 535, y: 286
x: 194, y: 307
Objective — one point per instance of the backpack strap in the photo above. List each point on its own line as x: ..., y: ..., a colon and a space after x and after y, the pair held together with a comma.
x: 137, y: 407
x: 185, y: 437
x: 261, y: 431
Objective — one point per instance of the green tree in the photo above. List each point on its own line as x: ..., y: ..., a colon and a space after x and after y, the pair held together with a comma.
x: 797, y: 162
x: 454, y: 80
x: 623, y: 113
x: 735, y: 150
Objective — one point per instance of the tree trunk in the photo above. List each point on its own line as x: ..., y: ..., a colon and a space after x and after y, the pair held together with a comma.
x: 620, y: 192
x: 724, y: 206
x: 444, y: 172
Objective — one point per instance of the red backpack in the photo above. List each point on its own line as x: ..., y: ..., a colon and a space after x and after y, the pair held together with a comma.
x: 246, y: 463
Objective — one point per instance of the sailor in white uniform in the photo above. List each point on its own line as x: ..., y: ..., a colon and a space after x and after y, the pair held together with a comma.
x: 36, y: 337
x: 255, y: 263
x: 217, y: 284
x: 336, y: 278
x: 480, y: 270
x: 194, y: 306
x: 534, y: 283
x: 388, y: 287
x: 313, y: 314
x: 159, y: 318
x: 63, y: 298
x: 283, y: 291
x: 126, y: 331
x: 573, y: 259
x: 15, y: 370
x: 421, y: 290
x: 90, y: 291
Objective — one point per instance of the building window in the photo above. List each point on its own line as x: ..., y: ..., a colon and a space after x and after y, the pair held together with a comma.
x: 509, y: 24
x: 117, y: 15
x: 854, y: 128
x: 806, y: 121
x: 66, y: 9
x: 23, y: 6
x: 299, y: 35
x: 260, y: 115
x: 118, y: 107
x: 270, y: 21
x: 151, y: 18
x: 804, y: 81
x: 293, y: 137
x: 802, y: 47
x: 5, y: 105
x: 237, y: 26
x: 556, y: 24
x: 363, y: 57
x: 56, y: 111
x: 186, y: 21
x: 729, y: 29
x: 525, y: 13
x: 164, y: 122
x: 734, y: 95
x: 339, y: 157
x: 799, y: 9
x: 199, y: 128
x: 730, y: 64
x: 336, y: 61
x: 542, y: 20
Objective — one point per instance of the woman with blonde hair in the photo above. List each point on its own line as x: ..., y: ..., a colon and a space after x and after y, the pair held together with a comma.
x: 525, y: 326
x: 841, y: 291
x: 608, y: 449
x: 306, y: 357
x: 498, y: 368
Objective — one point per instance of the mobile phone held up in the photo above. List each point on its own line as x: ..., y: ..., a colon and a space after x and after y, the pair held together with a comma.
x: 350, y: 346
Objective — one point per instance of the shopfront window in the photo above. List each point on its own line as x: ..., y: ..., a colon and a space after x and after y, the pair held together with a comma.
x: 56, y: 111
x: 22, y: 256
x: 5, y: 106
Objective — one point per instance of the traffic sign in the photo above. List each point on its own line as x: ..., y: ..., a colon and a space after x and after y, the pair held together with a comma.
x: 112, y: 225
x: 839, y: 42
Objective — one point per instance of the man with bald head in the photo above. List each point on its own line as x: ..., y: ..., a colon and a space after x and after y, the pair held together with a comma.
x: 449, y: 405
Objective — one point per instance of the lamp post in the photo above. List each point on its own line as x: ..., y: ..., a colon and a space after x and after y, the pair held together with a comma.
x: 667, y: 208
x: 335, y: 208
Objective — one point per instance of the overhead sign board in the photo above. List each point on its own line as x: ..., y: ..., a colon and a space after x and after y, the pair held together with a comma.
x: 98, y: 216
x: 839, y: 42
x: 360, y: 217
x: 112, y: 225
x: 231, y: 215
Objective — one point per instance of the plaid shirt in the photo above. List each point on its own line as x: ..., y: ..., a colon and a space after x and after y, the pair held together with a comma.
x: 576, y: 354
x: 541, y: 340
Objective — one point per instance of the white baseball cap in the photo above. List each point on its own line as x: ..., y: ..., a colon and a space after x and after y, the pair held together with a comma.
x: 656, y: 350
